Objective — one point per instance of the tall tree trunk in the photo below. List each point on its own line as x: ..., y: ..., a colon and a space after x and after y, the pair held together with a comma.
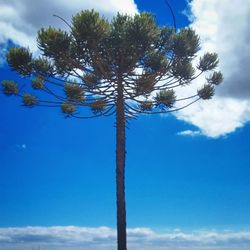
x: 120, y: 170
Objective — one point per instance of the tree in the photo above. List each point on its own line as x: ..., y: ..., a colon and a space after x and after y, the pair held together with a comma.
x: 123, y: 67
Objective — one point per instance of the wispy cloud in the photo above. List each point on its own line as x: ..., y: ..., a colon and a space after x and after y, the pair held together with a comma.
x: 190, y: 133
x: 71, y: 237
x: 21, y: 146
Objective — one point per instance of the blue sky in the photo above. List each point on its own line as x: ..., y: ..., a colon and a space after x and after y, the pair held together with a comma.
x: 188, y: 171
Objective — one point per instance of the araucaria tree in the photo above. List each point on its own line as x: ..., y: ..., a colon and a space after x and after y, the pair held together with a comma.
x: 123, y: 67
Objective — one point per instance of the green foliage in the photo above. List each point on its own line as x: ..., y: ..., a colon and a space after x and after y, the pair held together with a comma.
x: 145, y: 84
x: 131, y: 39
x: 98, y: 106
x: 19, y: 59
x: 90, y: 80
x: 9, y: 87
x: 208, y: 62
x: 42, y: 65
x: 166, y: 39
x: 165, y: 98
x: 53, y: 42
x: 141, y: 31
x: 216, y: 78
x: 68, y: 108
x: 155, y: 62
x: 89, y: 29
x: 29, y: 100
x: 89, y: 46
x: 74, y: 91
x: 37, y: 83
x: 146, y: 105
x: 206, y: 92
x: 183, y: 69
x: 186, y: 43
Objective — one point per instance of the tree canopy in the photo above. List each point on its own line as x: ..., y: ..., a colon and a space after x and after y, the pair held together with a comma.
x: 86, y: 62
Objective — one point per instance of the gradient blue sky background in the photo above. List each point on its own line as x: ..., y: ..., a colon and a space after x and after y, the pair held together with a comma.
x: 179, y: 174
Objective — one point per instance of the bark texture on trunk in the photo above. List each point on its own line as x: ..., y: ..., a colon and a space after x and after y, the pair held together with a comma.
x: 120, y: 171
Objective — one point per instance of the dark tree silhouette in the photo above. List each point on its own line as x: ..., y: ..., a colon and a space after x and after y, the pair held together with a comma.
x: 123, y: 67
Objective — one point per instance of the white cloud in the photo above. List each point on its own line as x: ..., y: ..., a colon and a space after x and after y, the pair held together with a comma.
x: 71, y: 237
x: 188, y: 132
x: 217, y: 117
x: 223, y: 28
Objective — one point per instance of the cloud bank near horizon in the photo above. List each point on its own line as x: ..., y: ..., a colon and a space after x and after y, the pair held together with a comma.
x: 104, y: 238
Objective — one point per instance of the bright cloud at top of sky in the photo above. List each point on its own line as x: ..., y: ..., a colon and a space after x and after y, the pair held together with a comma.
x: 222, y: 26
